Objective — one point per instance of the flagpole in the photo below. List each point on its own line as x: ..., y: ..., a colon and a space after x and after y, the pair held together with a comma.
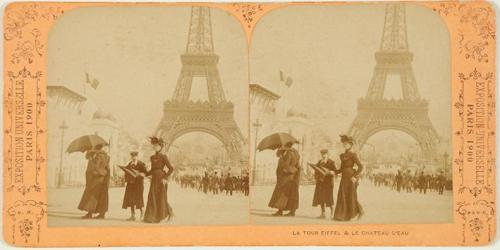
x: 85, y: 84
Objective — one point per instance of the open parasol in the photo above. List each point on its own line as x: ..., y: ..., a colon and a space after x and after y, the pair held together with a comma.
x: 85, y: 143
x: 275, y: 141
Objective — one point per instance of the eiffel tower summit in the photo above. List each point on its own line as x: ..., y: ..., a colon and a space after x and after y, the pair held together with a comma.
x: 182, y: 115
x: 408, y: 114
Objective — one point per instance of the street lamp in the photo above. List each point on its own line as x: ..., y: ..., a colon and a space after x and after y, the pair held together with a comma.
x: 223, y: 155
x: 445, y: 155
x: 60, y: 178
x: 256, y: 125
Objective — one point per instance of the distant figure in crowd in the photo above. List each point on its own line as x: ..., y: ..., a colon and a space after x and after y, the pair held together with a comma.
x: 348, y: 206
x: 229, y: 184
x: 422, y: 183
x: 246, y: 184
x: 157, y: 208
x: 398, y: 181
x: 286, y: 192
x: 95, y: 195
x: 134, y: 190
x: 407, y: 180
x: 323, y: 193
x: 214, y: 183
x: 441, y: 182
x: 205, y: 182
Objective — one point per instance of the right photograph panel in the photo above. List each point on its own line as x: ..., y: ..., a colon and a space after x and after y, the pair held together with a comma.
x: 350, y: 116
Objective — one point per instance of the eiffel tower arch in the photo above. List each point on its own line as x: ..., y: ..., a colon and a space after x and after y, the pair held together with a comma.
x: 181, y: 115
x: 408, y: 114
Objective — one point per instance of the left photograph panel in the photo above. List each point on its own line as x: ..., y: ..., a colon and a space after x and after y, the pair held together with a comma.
x: 147, y: 117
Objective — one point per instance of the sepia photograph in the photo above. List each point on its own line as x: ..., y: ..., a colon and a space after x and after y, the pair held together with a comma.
x: 147, y: 117
x: 350, y: 116
x: 153, y: 124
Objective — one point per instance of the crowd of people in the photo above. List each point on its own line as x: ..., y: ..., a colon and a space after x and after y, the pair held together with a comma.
x: 406, y: 181
x: 214, y: 183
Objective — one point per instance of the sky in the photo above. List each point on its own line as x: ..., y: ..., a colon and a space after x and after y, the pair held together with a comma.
x: 134, y: 52
x: 328, y: 51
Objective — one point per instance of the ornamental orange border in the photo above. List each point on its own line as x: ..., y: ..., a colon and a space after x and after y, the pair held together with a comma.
x: 471, y: 27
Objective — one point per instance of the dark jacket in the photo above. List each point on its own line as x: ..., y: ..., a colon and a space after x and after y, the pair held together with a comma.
x: 157, y: 207
x: 135, y: 186
x: 348, y: 205
x: 286, y: 192
x: 323, y: 192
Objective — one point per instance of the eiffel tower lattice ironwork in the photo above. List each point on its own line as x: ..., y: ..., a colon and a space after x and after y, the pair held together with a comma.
x: 215, y: 116
x: 408, y: 114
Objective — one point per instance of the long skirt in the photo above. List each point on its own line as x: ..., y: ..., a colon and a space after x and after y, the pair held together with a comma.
x: 348, y: 206
x: 95, y: 196
x: 157, y: 208
x: 133, y: 195
x: 286, y: 193
x: 323, y: 193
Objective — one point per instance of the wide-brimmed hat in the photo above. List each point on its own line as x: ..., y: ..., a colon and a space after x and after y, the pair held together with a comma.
x: 324, y: 151
x: 134, y: 153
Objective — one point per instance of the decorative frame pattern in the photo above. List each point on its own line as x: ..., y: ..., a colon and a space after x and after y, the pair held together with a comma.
x: 474, y: 29
x: 472, y: 35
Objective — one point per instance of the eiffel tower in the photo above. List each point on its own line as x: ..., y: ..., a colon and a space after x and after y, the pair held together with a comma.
x: 409, y: 114
x: 215, y: 116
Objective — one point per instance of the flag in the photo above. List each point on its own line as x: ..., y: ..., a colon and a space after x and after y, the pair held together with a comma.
x: 288, y: 82
x: 87, y: 76
x: 93, y: 82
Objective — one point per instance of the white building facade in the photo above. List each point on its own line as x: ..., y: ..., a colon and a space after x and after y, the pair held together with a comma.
x: 72, y: 115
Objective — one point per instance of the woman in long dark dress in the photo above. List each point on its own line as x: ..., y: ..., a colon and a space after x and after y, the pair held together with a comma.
x: 157, y: 208
x: 285, y: 196
x: 348, y: 206
x: 95, y: 197
x: 323, y: 193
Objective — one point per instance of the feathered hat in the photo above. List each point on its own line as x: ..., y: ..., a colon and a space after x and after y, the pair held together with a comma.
x: 346, y: 139
x: 156, y: 141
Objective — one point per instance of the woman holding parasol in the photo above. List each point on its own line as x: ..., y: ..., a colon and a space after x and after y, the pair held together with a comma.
x: 95, y: 196
x: 285, y: 196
